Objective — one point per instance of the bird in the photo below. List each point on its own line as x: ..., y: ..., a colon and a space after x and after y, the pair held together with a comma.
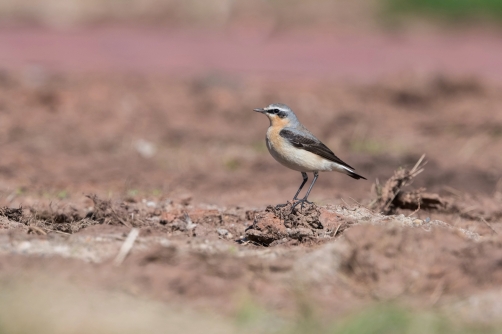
x: 295, y: 147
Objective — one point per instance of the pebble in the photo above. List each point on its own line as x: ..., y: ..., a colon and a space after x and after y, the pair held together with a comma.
x: 222, y: 232
x: 417, y: 222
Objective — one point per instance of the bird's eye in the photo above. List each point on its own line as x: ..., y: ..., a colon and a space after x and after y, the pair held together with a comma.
x: 274, y: 111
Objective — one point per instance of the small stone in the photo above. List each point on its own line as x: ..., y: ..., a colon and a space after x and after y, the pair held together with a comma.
x: 222, y: 232
x: 417, y: 222
x: 300, y: 233
x: 189, y: 223
x: 259, y: 237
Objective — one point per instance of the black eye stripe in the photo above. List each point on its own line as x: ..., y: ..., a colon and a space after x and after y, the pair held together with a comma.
x: 277, y: 112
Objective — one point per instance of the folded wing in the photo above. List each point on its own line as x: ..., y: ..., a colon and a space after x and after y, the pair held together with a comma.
x: 311, y: 144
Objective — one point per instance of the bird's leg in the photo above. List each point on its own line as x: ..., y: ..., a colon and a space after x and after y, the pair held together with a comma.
x: 304, y: 199
x: 305, y: 179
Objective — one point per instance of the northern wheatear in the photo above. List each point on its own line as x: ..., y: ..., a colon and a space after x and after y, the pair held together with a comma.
x: 291, y: 144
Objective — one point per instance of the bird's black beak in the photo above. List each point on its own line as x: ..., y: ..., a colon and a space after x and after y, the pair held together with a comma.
x: 259, y: 110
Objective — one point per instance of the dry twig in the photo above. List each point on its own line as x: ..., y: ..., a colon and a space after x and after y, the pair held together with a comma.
x: 390, y: 195
x: 126, y: 247
x: 36, y: 229
x: 487, y: 224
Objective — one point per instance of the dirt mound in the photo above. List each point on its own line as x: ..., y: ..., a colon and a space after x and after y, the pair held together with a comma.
x: 288, y: 224
x: 388, y: 261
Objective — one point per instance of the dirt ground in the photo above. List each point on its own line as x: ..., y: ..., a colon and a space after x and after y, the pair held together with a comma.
x: 88, y: 160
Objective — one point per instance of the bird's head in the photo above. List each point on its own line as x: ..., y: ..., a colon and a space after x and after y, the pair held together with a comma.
x: 279, y: 114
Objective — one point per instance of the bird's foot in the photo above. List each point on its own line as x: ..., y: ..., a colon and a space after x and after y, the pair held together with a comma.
x: 302, y: 201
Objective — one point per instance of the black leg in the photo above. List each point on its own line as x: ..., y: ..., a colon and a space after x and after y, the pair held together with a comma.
x: 305, y: 179
x: 305, y: 199
x: 316, y: 175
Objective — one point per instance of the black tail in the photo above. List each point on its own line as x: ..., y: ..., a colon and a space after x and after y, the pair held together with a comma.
x: 355, y: 176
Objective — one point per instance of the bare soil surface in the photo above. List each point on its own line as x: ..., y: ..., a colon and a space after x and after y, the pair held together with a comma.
x: 88, y: 160
x: 65, y: 136
x: 341, y: 257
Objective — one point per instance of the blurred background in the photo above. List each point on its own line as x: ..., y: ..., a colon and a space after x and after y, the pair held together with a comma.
x: 150, y: 102
x: 155, y: 97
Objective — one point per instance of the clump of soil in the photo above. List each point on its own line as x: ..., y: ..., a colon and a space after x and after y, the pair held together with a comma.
x: 104, y: 212
x: 283, y: 224
x: 68, y: 219
x: 15, y: 214
x: 391, y: 197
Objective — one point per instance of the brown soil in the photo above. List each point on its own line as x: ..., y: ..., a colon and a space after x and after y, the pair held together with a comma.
x: 64, y: 136
x: 205, y: 257
x: 88, y: 158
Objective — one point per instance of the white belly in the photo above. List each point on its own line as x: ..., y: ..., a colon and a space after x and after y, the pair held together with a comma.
x: 299, y: 159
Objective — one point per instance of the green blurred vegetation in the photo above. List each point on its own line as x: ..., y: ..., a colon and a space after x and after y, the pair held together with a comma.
x: 451, y: 10
x: 380, y: 318
x: 23, y: 309
x: 389, y: 319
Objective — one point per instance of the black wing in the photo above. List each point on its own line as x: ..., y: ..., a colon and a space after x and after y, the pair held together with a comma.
x: 308, y: 144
